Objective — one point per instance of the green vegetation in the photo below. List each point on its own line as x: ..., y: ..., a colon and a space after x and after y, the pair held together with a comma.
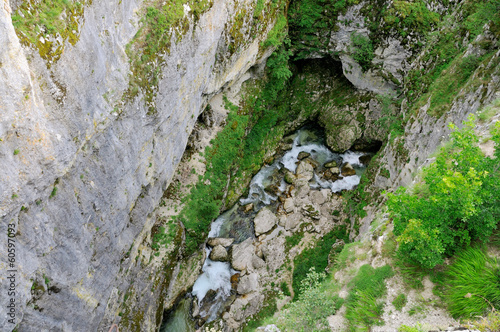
x: 238, y: 151
x: 364, y: 307
x: 411, y: 16
x: 16, y: 152
x: 489, y: 111
x: 35, y: 21
x: 311, y: 22
x: 315, y: 299
x: 53, y: 192
x: 399, y: 302
x: 316, y: 257
x: 458, y: 201
x: 471, y: 287
x: 362, y: 50
x: 160, y: 21
x: 284, y: 288
x: 406, y: 328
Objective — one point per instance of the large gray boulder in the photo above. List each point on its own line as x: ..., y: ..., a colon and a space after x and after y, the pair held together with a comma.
x: 219, y: 253
x: 216, y: 241
x: 264, y: 221
x: 248, y: 283
x: 242, y: 254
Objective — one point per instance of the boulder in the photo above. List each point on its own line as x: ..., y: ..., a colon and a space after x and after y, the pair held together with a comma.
x: 264, y: 221
x: 272, y: 189
x: 318, y: 197
x: 331, y: 164
x: 365, y: 159
x: 305, y: 171
x: 241, y: 255
x: 311, y: 211
x: 348, y: 170
x: 313, y: 162
x: 258, y: 262
x: 303, y: 155
x: 235, y: 278
x: 247, y: 208
x: 248, y: 283
x: 219, y: 241
x: 289, y: 177
x: 288, y: 205
x: 219, y: 253
x: 292, y: 221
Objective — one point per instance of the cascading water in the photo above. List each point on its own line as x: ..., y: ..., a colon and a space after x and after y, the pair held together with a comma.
x: 216, y: 276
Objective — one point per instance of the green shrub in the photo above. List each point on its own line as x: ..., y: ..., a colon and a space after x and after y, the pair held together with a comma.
x: 363, y: 304
x: 362, y: 50
x: 459, y: 202
x: 471, y: 284
x: 316, y: 257
x: 285, y: 289
x: 315, y: 303
x: 399, y: 302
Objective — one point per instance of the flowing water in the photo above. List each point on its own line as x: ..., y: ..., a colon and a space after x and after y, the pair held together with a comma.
x: 216, y: 276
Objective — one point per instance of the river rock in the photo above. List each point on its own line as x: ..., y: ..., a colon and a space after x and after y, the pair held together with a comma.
x: 272, y: 189
x: 365, y: 159
x: 245, y: 306
x: 288, y: 205
x: 331, y: 164
x: 305, y: 171
x: 348, y: 170
x: 286, y: 146
x: 219, y: 253
x: 318, y: 197
x: 241, y: 255
x: 311, y: 211
x: 248, y: 283
x: 292, y: 221
x: 247, y: 208
x: 290, y: 177
x: 219, y: 241
x: 264, y: 221
x: 258, y: 262
x: 313, y: 162
x: 235, y: 278
x: 303, y: 155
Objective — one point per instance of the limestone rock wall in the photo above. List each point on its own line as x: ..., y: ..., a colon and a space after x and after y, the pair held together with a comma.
x: 79, y: 180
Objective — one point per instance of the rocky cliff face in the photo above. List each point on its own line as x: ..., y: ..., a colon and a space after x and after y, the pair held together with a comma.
x: 83, y: 168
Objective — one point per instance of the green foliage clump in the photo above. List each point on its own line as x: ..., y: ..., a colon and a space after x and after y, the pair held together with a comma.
x: 411, y: 15
x: 205, y: 199
x: 311, y: 22
x: 447, y: 86
x: 152, y: 41
x: 34, y: 20
x: 459, y: 201
x: 364, y: 307
x: 406, y: 328
x: 316, y: 302
x: 316, y: 257
x: 285, y: 289
x: 362, y: 50
x: 482, y: 13
x: 471, y: 284
x: 399, y: 302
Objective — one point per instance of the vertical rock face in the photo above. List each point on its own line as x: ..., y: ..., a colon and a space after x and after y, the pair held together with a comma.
x: 81, y: 171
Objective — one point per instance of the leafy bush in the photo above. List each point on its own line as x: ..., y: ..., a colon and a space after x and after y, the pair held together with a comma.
x: 364, y: 309
x: 459, y: 202
x: 471, y: 284
x: 316, y: 257
x: 362, y: 50
x: 316, y: 302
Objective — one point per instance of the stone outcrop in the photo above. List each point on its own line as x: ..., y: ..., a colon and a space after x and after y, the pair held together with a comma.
x: 84, y: 165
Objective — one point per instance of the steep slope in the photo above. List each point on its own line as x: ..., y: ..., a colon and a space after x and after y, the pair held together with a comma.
x: 84, y: 162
